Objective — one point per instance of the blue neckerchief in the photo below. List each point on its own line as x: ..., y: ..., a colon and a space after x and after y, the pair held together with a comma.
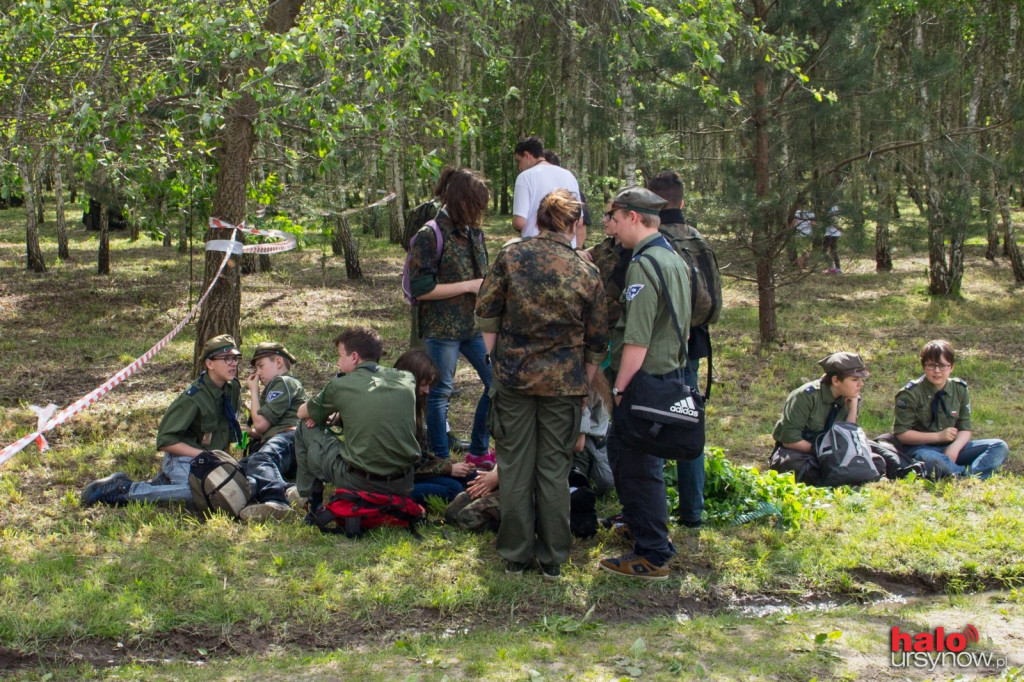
x: 938, y: 404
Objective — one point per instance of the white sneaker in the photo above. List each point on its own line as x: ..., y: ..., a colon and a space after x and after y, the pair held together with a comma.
x: 262, y: 511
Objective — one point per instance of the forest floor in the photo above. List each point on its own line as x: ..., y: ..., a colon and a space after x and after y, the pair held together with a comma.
x: 149, y: 593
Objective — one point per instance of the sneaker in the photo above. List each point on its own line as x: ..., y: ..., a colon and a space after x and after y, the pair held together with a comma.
x: 833, y: 271
x: 689, y: 524
x: 112, y: 490
x: 633, y: 566
x: 291, y: 494
x: 516, y: 567
x: 917, y: 468
x: 482, y: 462
x: 550, y: 571
x: 457, y: 444
x: 262, y: 511
x: 622, y: 532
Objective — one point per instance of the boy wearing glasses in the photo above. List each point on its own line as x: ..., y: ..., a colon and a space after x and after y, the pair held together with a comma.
x: 933, y: 420
x: 202, y: 418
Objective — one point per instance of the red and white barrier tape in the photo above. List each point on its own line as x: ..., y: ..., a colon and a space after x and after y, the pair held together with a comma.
x: 100, y: 391
x: 287, y: 243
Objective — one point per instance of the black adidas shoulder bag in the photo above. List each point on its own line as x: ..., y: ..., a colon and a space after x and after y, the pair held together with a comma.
x: 661, y: 415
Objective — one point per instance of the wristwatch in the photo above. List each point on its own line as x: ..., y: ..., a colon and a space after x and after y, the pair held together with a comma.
x: 616, y: 392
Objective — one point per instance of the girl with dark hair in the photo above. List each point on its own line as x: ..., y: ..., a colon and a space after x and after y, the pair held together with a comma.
x: 445, y: 279
x: 435, y: 477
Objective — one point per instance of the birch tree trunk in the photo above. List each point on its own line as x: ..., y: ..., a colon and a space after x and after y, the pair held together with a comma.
x: 63, y: 248
x: 33, y: 255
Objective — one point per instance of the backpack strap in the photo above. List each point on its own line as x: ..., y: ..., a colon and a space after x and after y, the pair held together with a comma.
x: 664, y: 293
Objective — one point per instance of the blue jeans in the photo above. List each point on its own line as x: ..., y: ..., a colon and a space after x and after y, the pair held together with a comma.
x: 170, y: 485
x: 445, y: 355
x: 977, y: 458
x: 444, y: 487
x: 690, y: 474
x: 267, y: 467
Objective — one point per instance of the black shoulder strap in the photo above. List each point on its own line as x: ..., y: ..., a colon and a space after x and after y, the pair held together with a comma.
x: 668, y: 301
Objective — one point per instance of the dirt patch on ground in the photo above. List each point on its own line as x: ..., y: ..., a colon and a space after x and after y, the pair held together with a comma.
x: 384, y: 628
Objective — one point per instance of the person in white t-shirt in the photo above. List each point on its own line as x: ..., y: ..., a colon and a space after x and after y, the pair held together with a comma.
x: 537, y: 178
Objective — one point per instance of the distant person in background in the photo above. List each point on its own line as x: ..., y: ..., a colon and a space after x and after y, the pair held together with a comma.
x: 830, y: 244
x: 537, y: 178
x: 580, y: 235
x: 803, y: 232
x: 689, y: 474
x: 933, y: 419
x: 446, y: 289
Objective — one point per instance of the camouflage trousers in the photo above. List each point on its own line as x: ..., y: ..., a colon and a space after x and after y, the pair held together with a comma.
x: 481, y: 514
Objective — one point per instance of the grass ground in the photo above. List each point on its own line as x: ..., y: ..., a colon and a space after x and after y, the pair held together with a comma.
x: 152, y: 593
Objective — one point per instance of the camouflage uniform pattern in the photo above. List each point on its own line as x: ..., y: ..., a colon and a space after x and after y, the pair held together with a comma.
x: 431, y: 466
x: 476, y: 515
x: 547, y: 306
x: 914, y: 407
x: 608, y: 256
x: 463, y: 257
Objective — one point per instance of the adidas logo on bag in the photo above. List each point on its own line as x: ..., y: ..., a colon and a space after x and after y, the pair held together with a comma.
x: 686, y: 406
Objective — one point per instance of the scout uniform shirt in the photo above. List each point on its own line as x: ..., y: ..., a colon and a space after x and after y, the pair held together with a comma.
x: 377, y: 408
x: 806, y: 411
x: 919, y: 408
x: 198, y: 417
x: 546, y: 304
x: 646, y: 320
x: 279, y: 404
x: 463, y: 257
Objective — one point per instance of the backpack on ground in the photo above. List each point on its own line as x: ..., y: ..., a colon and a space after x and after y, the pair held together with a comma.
x: 218, y: 482
x: 406, y: 281
x: 705, y: 279
x: 352, y: 512
x: 844, y: 456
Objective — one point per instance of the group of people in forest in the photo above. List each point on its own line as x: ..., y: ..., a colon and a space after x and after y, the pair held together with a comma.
x: 536, y: 325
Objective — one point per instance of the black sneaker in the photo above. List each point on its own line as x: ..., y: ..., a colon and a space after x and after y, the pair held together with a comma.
x: 516, y: 567
x: 457, y: 444
x: 550, y: 571
x: 917, y: 468
x: 112, y: 490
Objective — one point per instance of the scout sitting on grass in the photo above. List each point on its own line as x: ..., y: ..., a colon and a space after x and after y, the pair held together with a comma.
x: 274, y: 414
x: 933, y: 420
x: 202, y: 418
x: 376, y: 407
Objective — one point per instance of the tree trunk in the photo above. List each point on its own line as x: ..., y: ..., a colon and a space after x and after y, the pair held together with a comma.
x: 33, y: 254
x: 883, y: 257
x: 349, y: 247
x: 761, y: 239
x: 629, y: 135
x: 103, y: 253
x: 988, y: 208
x: 63, y: 248
x: 1009, y: 236
x: 40, y: 210
x: 396, y: 220
x: 221, y: 313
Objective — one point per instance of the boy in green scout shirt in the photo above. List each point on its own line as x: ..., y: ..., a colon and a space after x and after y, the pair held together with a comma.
x: 376, y: 407
x: 202, y: 418
x: 274, y: 416
x: 644, y: 338
x: 933, y: 420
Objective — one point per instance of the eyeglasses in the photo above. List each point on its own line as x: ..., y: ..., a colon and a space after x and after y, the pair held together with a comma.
x: 932, y: 367
x: 608, y: 215
x: 228, y: 359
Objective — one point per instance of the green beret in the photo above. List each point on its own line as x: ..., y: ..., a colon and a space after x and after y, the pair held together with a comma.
x: 640, y: 200
x: 271, y: 348
x: 220, y: 344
